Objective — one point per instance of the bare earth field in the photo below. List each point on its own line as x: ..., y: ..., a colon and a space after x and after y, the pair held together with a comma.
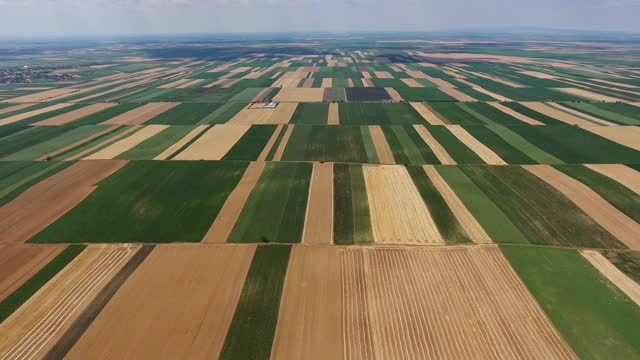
x: 19, y: 262
x: 171, y: 314
x: 318, y: 226
x: 385, y: 155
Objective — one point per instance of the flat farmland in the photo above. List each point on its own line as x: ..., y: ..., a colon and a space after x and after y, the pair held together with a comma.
x: 375, y: 196
x: 149, y: 201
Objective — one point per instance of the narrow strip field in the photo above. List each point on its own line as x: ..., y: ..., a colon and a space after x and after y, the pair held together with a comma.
x: 310, y: 316
x: 74, y: 115
x: 127, y: 143
x: 318, y: 226
x: 620, y: 173
x: 613, y: 274
x: 623, y: 135
x: 383, y: 151
x: 230, y: 212
x: 459, y: 303
x: 251, y: 332
x: 351, y: 219
x: 39, y: 323
x: 398, y: 213
x: 209, y: 281
x: 486, y: 154
x: 140, y: 114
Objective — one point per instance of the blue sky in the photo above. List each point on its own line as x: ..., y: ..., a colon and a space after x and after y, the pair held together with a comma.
x: 89, y: 17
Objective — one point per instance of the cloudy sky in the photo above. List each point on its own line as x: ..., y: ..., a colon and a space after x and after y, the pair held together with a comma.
x: 90, y: 17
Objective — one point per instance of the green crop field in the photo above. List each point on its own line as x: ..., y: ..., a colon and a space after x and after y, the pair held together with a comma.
x: 583, y: 306
x: 149, y: 201
x: 352, y: 222
x: 326, y: 143
x: 278, y: 200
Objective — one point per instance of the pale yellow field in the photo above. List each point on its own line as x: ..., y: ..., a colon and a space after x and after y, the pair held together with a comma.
x: 214, y: 144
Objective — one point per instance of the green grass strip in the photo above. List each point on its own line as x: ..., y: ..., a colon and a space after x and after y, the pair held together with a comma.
x: 456, y: 148
x: 520, y: 143
x: 446, y: 221
x: 593, y: 315
x: 72, y: 136
x: 369, y: 147
x: 352, y: 220
x: 251, y: 332
x: 9, y: 305
x: 497, y: 225
x: 593, y: 110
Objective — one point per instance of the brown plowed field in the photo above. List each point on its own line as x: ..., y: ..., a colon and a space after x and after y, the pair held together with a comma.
x: 140, y: 114
x: 464, y: 216
x: 45, y: 202
x: 310, y: 317
x: 318, y: 226
x: 35, y: 327
x: 214, y: 144
x: 385, y: 155
x: 178, y: 304
x: 18, y: 263
x: 228, y: 215
x: 454, y: 303
x: 611, y: 272
x: 621, y: 173
x: 398, y: 213
x: 486, y: 154
x: 613, y: 220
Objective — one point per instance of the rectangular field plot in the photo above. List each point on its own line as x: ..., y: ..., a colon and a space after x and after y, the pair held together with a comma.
x: 149, y: 201
x: 329, y: 143
x: 275, y: 209
x: 584, y: 306
x: 407, y: 145
x: 185, y: 114
x: 429, y: 312
x: 311, y: 114
x: 540, y: 212
x: 378, y: 114
x: 352, y: 220
x: 398, y: 212
x: 356, y: 94
x: 154, y: 298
